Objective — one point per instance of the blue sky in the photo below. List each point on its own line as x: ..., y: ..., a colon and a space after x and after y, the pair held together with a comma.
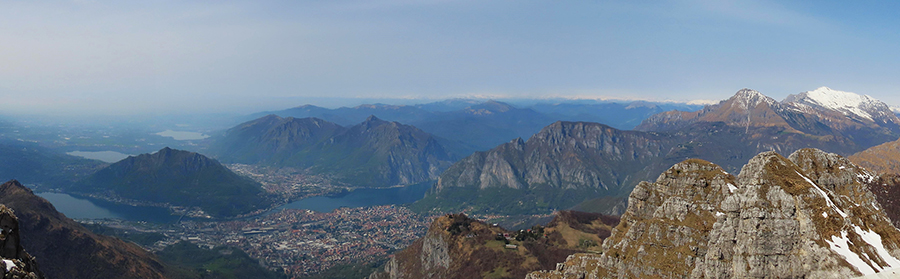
x: 138, y: 56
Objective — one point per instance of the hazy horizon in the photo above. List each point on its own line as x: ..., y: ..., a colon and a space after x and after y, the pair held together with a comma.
x: 123, y: 58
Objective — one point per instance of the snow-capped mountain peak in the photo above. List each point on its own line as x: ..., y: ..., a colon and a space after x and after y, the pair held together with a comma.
x: 848, y: 103
x: 749, y: 98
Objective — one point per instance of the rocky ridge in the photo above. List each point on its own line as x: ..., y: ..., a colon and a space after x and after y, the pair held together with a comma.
x: 809, y: 215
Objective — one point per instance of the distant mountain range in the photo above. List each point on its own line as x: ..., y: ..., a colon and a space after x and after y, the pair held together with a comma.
x: 480, y: 125
x: 179, y: 178
x: 568, y: 162
x: 848, y: 120
x: 374, y: 153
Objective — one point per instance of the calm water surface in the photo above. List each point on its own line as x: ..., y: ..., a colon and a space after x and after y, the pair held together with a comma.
x: 88, y: 208
x: 106, y: 156
x: 182, y: 135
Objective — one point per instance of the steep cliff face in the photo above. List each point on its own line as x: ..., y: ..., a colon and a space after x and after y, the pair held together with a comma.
x: 556, y: 168
x: 65, y: 249
x: 809, y: 215
x: 458, y: 247
x: 16, y: 262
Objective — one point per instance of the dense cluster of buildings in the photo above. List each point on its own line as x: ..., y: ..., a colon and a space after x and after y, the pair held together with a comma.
x: 299, y: 241
x: 288, y: 182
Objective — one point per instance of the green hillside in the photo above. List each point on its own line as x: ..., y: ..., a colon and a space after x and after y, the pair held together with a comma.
x: 180, y: 178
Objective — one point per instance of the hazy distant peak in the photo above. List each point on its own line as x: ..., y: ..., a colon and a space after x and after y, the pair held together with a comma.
x: 307, y: 106
x: 270, y: 117
x: 373, y: 118
x: 166, y: 150
x: 379, y: 106
x: 640, y: 104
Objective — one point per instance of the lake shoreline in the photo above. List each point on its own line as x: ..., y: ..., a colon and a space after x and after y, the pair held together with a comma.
x: 357, y: 197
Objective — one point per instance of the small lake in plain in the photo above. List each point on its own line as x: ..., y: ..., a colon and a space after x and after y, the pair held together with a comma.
x: 183, y: 135
x: 105, y: 156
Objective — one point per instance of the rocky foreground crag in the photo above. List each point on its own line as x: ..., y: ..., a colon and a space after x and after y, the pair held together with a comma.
x: 65, y: 249
x: 809, y: 215
x: 14, y: 261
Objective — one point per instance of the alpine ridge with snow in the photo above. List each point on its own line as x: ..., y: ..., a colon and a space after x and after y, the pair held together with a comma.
x: 850, y: 104
x: 849, y: 120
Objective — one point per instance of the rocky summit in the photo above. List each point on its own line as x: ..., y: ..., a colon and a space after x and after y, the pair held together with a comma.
x: 809, y: 215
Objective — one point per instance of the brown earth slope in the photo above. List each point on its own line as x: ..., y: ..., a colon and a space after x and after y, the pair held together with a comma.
x: 884, y: 158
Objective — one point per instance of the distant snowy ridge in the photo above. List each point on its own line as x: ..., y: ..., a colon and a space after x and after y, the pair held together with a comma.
x: 848, y: 103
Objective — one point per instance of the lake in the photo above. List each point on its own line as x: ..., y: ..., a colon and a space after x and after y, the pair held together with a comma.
x: 182, y: 135
x: 77, y: 207
x: 106, y: 156
x: 88, y: 208
x: 362, y: 198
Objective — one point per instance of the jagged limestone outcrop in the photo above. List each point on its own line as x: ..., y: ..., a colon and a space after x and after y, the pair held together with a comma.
x: 16, y: 263
x: 809, y: 215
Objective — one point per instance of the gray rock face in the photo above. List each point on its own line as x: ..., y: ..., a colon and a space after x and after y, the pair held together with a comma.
x: 807, y: 216
x: 435, y: 252
x: 428, y: 257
